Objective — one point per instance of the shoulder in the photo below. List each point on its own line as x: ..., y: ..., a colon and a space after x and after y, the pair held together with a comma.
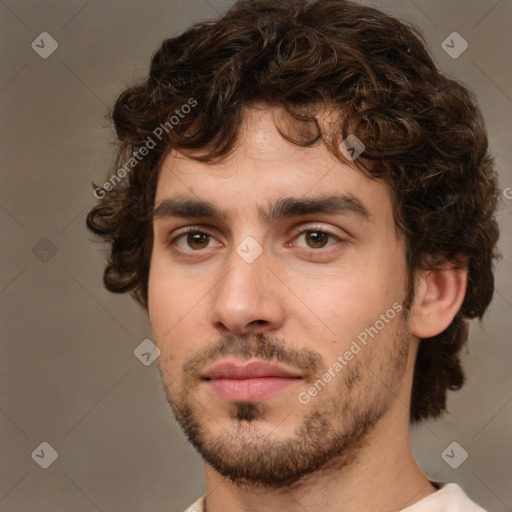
x: 198, y: 506
x: 450, y: 498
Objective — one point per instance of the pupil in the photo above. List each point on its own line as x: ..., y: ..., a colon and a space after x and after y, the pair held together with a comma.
x: 197, y: 240
x: 317, y: 238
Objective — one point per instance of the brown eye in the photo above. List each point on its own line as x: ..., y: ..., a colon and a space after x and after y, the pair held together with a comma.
x: 197, y: 240
x: 194, y: 240
x: 316, y: 239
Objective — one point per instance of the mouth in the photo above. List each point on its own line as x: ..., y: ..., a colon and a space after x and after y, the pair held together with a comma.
x: 248, y: 381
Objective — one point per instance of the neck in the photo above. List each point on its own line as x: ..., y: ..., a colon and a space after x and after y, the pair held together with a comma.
x: 383, y: 476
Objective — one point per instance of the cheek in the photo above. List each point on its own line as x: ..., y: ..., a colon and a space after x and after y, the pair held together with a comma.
x: 353, y: 298
x: 163, y: 299
x: 176, y: 312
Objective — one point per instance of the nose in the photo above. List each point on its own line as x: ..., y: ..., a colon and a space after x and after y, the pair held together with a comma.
x: 247, y: 300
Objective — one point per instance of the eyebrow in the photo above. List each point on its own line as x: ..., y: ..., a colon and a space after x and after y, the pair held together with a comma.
x: 277, y: 210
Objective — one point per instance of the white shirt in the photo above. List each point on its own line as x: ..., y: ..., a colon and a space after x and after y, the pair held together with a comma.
x: 450, y: 498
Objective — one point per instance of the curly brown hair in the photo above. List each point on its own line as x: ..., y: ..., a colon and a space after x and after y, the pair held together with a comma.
x: 423, y: 135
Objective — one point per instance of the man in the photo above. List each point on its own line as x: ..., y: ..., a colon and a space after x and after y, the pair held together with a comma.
x: 304, y: 205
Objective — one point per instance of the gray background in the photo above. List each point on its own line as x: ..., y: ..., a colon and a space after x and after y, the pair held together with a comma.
x: 68, y: 374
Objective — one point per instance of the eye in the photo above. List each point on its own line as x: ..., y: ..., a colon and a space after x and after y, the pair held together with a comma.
x: 316, y: 238
x: 193, y: 240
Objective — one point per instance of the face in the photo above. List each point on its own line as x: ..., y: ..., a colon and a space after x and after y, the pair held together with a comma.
x: 276, y: 293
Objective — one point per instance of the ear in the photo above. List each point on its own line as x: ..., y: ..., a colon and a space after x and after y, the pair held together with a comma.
x: 438, y: 297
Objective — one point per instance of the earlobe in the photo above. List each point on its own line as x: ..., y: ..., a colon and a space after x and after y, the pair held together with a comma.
x: 439, y: 295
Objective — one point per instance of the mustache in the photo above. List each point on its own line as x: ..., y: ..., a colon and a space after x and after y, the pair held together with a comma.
x: 261, y: 346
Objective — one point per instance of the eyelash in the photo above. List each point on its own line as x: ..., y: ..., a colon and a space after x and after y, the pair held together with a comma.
x: 311, y: 229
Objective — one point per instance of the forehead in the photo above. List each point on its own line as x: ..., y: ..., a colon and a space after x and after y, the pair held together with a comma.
x: 263, y: 167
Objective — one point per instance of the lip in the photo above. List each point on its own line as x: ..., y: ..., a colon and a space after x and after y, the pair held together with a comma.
x: 248, y: 381
x: 236, y: 369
